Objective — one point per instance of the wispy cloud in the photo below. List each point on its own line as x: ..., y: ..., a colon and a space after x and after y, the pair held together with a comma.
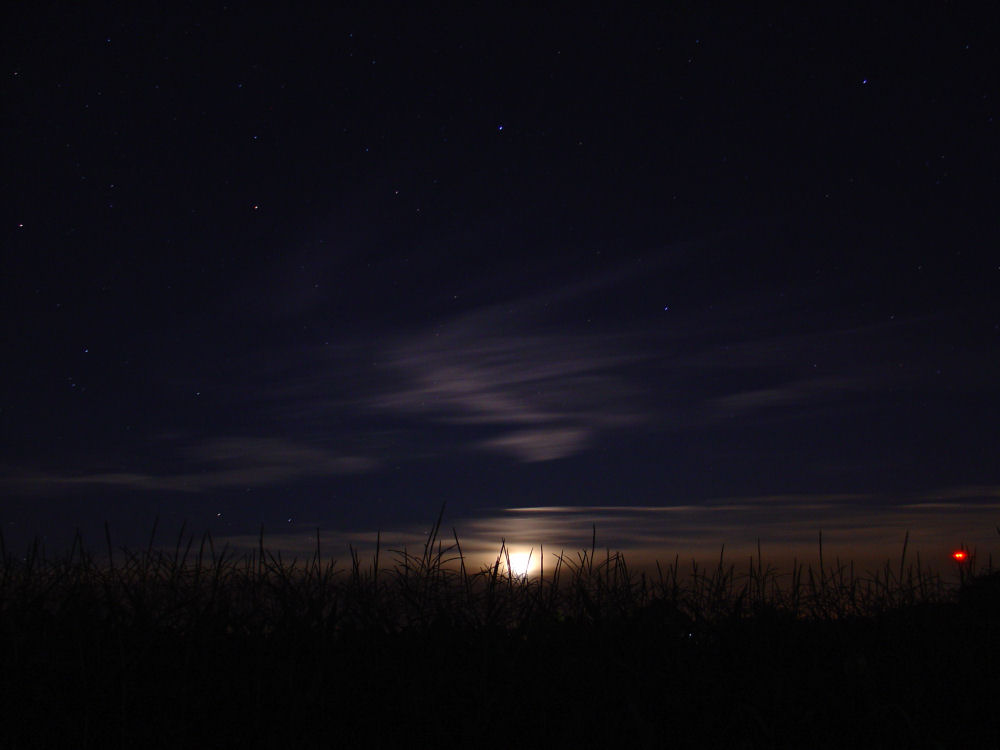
x: 548, y: 389
x: 547, y: 395
x: 541, y: 445
x: 212, y: 464
x: 787, y: 394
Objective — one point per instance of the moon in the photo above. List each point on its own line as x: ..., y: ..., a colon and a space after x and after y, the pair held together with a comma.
x: 523, y: 563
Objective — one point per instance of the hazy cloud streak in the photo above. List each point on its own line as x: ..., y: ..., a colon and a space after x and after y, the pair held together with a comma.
x: 222, y: 462
x: 867, y: 529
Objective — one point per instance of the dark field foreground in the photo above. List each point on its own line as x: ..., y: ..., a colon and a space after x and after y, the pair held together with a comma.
x: 198, y: 649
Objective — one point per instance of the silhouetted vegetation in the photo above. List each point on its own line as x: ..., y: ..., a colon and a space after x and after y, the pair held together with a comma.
x: 201, y: 648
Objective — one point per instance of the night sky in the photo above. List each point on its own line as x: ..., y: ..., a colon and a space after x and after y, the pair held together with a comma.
x: 694, y: 277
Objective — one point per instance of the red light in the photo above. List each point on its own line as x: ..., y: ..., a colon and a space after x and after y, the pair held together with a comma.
x: 960, y: 555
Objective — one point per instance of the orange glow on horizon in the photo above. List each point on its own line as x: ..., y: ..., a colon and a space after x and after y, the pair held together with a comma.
x: 960, y: 555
